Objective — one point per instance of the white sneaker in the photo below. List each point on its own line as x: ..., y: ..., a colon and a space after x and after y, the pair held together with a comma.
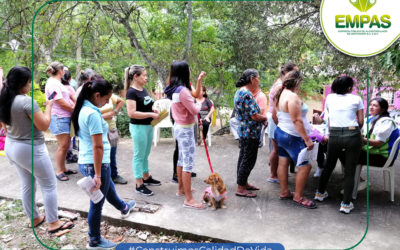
x: 318, y: 172
x: 320, y: 197
x: 346, y: 208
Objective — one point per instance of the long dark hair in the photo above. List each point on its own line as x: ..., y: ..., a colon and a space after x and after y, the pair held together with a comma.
x: 205, y: 91
x: 179, y: 74
x: 245, y: 78
x: 291, y: 81
x: 100, y: 86
x: 384, y: 105
x: 65, y: 79
x: 16, y: 79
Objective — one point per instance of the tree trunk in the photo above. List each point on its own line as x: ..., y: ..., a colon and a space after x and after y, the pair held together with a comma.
x: 161, y: 73
x: 189, y: 9
x: 78, y: 57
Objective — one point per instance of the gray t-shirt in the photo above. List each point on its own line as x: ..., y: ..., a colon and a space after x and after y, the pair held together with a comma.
x: 21, y: 124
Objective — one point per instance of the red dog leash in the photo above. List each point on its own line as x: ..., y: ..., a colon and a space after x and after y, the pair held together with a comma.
x: 205, y: 144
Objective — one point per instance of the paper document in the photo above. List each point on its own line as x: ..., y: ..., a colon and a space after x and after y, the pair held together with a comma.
x: 306, y: 155
x: 87, y: 184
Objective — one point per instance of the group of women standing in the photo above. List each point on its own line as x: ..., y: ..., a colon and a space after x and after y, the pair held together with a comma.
x: 289, y: 130
x: 286, y: 119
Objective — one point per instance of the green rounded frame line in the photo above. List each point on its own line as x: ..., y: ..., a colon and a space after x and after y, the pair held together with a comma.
x: 33, y: 66
x: 347, y: 52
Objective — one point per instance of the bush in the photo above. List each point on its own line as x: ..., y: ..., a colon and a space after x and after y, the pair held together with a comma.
x: 39, y: 96
x: 123, y: 123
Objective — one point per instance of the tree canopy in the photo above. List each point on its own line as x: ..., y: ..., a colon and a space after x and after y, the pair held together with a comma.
x: 221, y: 38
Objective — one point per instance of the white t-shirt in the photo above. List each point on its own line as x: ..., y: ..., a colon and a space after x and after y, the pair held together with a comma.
x: 382, y: 130
x: 342, y: 109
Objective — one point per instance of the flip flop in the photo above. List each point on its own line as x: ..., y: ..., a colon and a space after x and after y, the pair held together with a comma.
x: 252, y: 188
x: 289, y: 197
x: 247, y: 194
x: 62, y: 177
x: 69, y: 171
x: 62, y: 227
x: 273, y: 180
x: 305, y: 203
x: 180, y: 195
x: 39, y: 223
x: 194, y: 206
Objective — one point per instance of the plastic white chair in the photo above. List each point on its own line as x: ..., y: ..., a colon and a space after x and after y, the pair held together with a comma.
x: 162, y: 104
x: 388, y: 171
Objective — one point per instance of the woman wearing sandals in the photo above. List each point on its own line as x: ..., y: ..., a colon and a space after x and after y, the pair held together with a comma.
x: 60, y: 117
x: 292, y: 136
x: 184, y: 110
x: 94, y: 155
x: 16, y: 112
x: 251, y: 122
x: 140, y: 109
x: 273, y: 156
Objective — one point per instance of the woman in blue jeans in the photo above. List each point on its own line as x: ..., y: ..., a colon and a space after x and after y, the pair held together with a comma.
x: 94, y: 155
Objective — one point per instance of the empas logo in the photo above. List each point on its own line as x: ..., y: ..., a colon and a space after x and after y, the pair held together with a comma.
x: 357, y: 21
x: 363, y: 5
x: 353, y: 31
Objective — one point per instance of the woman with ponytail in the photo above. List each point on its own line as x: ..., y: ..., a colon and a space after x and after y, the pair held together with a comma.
x: 273, y: 156
x: 94, y: 155
x: 251, y: 121
x: 292, y: 136
x: 16, y: 113
x: 60, y: 117
x: 140, y: 109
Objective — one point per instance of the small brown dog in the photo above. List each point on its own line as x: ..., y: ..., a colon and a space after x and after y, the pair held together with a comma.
x: 215, y: 194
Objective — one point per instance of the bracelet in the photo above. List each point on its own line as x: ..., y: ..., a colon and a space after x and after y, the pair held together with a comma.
x: 97, y: 176
x: 116, y: 111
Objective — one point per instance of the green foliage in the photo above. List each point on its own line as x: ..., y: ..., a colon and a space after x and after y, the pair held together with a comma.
x: 227, y: 38
x: 38, y: 96
x: 123, y: 121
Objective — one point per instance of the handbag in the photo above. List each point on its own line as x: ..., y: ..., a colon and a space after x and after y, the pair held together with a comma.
x: 113, y: 137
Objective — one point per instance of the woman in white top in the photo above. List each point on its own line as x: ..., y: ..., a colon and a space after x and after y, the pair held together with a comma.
x: 292, y: 136
x: 273, y: 156
x: 346, y: 113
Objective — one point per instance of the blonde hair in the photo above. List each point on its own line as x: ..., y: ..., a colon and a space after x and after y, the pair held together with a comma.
x: 53, y: 68
x: 130, y: 72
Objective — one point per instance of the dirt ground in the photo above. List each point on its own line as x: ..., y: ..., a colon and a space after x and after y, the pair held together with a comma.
x: 15, y: 232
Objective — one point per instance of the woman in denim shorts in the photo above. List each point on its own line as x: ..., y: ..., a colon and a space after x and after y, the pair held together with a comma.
x: 291, y: 136
x: 60, y: 117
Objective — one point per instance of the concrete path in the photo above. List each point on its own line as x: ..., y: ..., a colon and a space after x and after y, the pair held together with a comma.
x: 263, y: 219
